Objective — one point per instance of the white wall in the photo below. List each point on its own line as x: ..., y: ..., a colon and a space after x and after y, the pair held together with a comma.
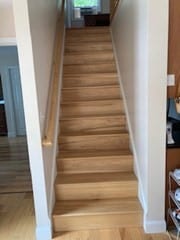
x: 7, y: 29
x: 35, y: 22
x: 140, y: 33
x: 42, y: 19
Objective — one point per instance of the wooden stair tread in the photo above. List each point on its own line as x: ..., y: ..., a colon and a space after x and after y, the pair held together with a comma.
x: 91, y: 142
x: 95, y: 178
x: 89, y: 54
x: 84, y: 115
x: 89, y: 75
x: 95, y: 55
x: 99, y: 133
x: 85, y: 31
x: 91, y: 154
x: 87, y: 47
x: 106, y: 116
x: 95, y: 161
x: 105, y: 67
x: 116, y: 85
x: 92, y: 102
x: 73, y: 83
x: 92, y: 108
x: 88, y: 38
x: 90, y: 58
x: 89, y: 80
x: 92, y: 116
x: 91, y: 93
x: 94, y: 124
x: 96, y: 207
x: 98, y: 64
x: 90, y: 29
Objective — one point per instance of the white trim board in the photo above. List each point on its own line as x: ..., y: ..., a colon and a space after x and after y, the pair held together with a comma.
x: 8, y: 41
x: 154, y: 226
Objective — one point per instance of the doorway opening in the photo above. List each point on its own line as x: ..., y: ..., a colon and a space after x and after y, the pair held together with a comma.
x: 14, y: 161
x: 15, y: 177
x: 83, y: 13
x: 3, y: 123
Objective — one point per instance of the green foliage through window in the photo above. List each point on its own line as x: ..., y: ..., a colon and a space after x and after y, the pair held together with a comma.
x: 85, y: 3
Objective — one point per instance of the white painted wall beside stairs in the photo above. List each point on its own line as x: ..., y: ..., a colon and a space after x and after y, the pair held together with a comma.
x: 35, y: 32
x: 140, y: 35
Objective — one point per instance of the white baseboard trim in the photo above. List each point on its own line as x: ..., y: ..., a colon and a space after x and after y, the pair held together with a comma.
x: 43, y: 233
x: 8, y: 42
x: 155, y: 226
x: 136, y: 166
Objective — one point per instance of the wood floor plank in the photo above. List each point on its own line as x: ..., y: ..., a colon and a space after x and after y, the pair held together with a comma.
x: 17, y: 217
x: 15, y: 174
x: 18, y: 223
x: 110, y: 234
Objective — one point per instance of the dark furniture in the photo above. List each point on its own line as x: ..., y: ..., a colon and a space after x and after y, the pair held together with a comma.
x: 97, y: 20
x: 3, y: 126
x: 172, y: 162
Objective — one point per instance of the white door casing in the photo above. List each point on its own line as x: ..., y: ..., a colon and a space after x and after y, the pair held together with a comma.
x: 16, y: 92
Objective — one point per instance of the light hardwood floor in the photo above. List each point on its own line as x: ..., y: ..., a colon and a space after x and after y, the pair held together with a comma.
x: 17, y: 222
x: 14, y: 165
x: 112, y: 234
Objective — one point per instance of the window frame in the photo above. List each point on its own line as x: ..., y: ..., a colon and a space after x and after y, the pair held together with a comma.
x: 98, y: 6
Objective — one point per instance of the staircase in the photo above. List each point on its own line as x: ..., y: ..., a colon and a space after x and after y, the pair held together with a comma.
x: 95, y: 185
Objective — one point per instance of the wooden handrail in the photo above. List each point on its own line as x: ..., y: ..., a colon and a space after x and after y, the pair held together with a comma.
x: 113, y: 7
x: 52, y: 104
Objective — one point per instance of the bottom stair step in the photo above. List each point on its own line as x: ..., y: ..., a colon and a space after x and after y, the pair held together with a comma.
x: 96, y: 214
x: 96, y: 186
x: 98, y: 161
